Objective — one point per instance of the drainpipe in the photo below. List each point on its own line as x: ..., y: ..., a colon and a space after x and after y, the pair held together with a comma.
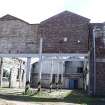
x: 94, y: 48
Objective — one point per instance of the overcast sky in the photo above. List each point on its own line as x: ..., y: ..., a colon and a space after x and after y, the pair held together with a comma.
x: 35, y: 11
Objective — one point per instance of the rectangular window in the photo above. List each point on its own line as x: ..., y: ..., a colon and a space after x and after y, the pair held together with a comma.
x: 59, y: 78
x: 53, y: 78
x: 22, y: 75
x: 80, y: 70
x: 18, y: 74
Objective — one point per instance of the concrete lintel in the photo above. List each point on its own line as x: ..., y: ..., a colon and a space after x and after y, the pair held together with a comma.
x: 65, y: 60
x: 44, y: 54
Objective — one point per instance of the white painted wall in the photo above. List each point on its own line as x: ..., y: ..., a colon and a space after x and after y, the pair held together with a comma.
x: 80, y: 83
x: 47, y: 66
x: 66, y: 83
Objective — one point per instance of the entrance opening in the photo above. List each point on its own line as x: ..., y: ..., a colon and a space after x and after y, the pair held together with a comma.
x: 71, y: 71
x: 73, y: 84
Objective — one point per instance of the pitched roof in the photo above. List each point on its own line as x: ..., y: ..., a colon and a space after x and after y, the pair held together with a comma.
x: 10, y: 17
x: 64, y: 13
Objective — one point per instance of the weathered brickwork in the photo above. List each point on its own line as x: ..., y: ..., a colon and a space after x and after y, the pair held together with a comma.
x: 65, y: 25
x: 97, y: 80
x: 17, y: 36
x: 91, y: 61
x: 100, y: 65
x: 63, y: 33
x: 100, y: 78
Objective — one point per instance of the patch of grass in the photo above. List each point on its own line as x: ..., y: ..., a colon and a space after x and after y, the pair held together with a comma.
x: 83, y: 99
x: 29, y: 92
x: 65, y: 96
x: 47, y: 94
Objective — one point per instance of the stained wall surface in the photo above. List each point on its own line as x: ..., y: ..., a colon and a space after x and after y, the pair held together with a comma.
x: 66, y: 33
x: 17, y: 36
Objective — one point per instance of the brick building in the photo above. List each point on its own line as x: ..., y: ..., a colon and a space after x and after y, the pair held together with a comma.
x: 65, y: 33
x: 71, y: 50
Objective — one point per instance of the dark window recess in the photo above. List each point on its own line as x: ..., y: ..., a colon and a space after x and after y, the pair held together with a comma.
x: 80, y: 70
x: 17, y: 51
x: 33, y: 66
x: 67, y: 66
x: 23, y: 75
x: 45, y: 44
x: 59, y: 78
x: 53, y: 78
x: 23, y: 62
x: 18, y: 74
x: 30, y: 42
x: 4, y: 73
x: 75, y: 84
x: 9, y: 51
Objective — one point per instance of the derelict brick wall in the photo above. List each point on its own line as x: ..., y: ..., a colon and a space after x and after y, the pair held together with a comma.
x: 100, y: 66
x: 100, y: 47
x: 91, y: 61
x: 91, y: 73
x: 69, y: 25
x: 100, y: 78
x: 100, y: 43
x: 99, y: 54
x: 17, y: 37
x: 99, y: 39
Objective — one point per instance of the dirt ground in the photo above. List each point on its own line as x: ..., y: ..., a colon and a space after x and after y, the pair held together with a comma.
x: 6, y: 99
x: 6, y: 102
x: 61, y: 97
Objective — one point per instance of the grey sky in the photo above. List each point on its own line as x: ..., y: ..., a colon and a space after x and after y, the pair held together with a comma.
x: 34, y: 11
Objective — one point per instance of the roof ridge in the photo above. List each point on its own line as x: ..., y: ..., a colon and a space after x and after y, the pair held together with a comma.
x: 11, y: 17
x: 63, y: 12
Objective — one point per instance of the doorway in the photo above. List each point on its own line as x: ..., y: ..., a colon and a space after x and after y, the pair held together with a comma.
x: 73, y: 84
